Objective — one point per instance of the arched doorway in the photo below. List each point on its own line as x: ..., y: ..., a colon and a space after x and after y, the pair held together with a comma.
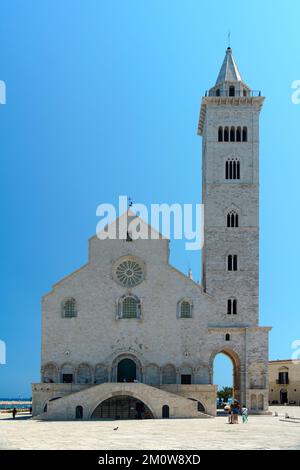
x: 122, y: 407
x: 226, y: 373
x: 126, y: 370
x: 79, y: 412
x: 165, y: 412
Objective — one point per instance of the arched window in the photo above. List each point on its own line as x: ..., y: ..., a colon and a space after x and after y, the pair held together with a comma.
x: 231, y: 306
x: 226, y: 134
x: 231, y: 91
x: 232, y: 262
x: 220, y: 134
x: 244, y: 92
x: 227, y: 337
x: 238, y: 173
x: 218, y: 93
x: 245, y: 134
x: 168, y: 374
x: 232, y: 169
x: 129, y: 306
x: 50, y: 373
x: 232, y: 219
x: 69, y: 308
x: 232, y: 134
x: 238, y: 134
x: 185, y: 309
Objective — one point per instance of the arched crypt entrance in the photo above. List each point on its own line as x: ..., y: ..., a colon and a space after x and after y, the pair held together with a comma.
x: 122, y: 407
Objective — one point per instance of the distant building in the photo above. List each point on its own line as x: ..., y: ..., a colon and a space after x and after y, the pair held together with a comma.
x: 284, y: 382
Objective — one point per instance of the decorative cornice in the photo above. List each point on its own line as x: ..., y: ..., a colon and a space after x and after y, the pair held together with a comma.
x: 227, y: 100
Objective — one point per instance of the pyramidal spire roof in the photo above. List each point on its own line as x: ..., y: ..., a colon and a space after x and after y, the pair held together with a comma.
x: 229, y: 71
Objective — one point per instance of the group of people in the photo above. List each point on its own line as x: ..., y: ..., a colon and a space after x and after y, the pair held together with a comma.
x: 234, y: 410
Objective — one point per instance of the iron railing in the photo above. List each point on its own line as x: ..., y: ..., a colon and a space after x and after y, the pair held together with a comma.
x: 237, y: 93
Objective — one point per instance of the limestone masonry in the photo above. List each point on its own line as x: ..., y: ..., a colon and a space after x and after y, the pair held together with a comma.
x: 128, y: 335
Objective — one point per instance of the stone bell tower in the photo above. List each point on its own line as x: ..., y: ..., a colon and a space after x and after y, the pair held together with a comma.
x: 229, y: 126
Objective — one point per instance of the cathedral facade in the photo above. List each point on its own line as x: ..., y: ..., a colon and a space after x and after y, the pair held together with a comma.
x: 128, y: 335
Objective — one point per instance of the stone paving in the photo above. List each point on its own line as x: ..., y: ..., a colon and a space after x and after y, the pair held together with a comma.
x: 261, y: 432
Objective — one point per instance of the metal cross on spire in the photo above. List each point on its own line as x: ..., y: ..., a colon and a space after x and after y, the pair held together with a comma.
x: 130, y: 203
x: 229, y: 38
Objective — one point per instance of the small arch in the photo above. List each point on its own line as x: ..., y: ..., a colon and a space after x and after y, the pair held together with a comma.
x: 232, y: 134
x: 84, y: 375
x: 168, y: 374
x: 231, y: 90
x: 260, y: 402
x: 186, y: 374
x: 45, y: 408
x: 165, y: 412
x: 220, y: 134
x: 253, y: 402
x: 218, y: 93
x: 238, y: 176
x: 101, y: 374
x: 231, y: 306
x: 67, y: 373
x: 79, y: 412
x: 232, y: 263
x: 229, y: 263
x: 232, y: 169
x: 245, y: 134
x: 227, y: 170
x: 238, y: 134
x: 232, y: 219
x: 227, y: 337
x: 235, y: 262
x: 152, y: 374
x: 50, y: 373
x: 226, y: 134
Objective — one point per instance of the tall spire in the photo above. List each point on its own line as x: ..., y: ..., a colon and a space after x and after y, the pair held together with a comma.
x: 229, y: 71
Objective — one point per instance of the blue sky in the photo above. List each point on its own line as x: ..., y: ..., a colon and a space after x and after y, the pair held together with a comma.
x: 103, y: 99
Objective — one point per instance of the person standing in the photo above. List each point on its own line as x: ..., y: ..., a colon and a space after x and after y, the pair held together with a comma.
x: 235, y: 412
x: 14, y: 412
x: 245, y: 414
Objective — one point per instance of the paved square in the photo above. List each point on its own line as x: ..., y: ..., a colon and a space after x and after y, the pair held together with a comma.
x: 261, y: 432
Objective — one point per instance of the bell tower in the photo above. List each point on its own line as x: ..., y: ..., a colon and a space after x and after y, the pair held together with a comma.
x: 229, y: 126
